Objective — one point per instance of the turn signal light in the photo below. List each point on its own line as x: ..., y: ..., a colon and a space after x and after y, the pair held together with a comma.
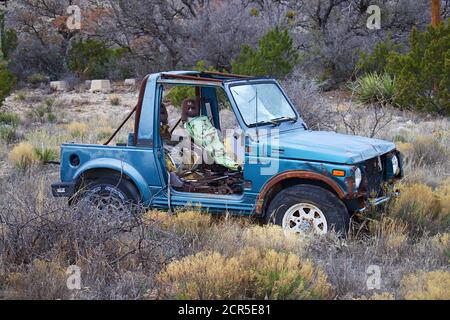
x: 338, y: 173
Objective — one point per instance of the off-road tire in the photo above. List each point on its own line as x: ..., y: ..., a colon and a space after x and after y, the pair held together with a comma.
x: 334, y: 210
x: 115, y: 186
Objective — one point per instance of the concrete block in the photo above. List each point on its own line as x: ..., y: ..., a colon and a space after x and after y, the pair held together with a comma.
x: 100, y: 85
x: 59, y: 85
x: 130, y: 82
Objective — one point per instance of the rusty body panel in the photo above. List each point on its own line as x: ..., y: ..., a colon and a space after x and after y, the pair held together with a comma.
x: 295, y: 174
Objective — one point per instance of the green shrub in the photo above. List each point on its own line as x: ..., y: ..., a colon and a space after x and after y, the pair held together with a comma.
x: 179, y: 93
x: 7, y: 81
x: 21, y: 95
x: 44, y: 154
x: 275, y: 56
x: 373, y: 87
x: 51, y: 117
x: 36, y: 79
x: 376, y: 62
x: 8, y: 134
x: 9, y: 118
x: 49, y: 102
x: 9, y: 41
x: 422, y: 74
x: 94, y: 59
x: 41, y: 110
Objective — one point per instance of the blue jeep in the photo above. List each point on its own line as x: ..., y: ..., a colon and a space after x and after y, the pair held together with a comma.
x: 276, y: 169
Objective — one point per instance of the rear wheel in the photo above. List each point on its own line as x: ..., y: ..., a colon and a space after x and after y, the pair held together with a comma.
x: 112, y: 194
x: 308, y: 208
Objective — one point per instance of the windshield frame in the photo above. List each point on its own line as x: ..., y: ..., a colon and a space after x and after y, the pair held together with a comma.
x: 256, y: 82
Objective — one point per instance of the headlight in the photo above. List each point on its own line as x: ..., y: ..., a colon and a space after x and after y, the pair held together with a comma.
x: 395, y: 166
x: 358, y: 177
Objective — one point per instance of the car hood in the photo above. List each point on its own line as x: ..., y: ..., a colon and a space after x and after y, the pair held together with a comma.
x: 328, y: 146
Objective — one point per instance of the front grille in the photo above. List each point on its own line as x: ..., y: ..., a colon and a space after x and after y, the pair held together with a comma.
x: 373, y: 172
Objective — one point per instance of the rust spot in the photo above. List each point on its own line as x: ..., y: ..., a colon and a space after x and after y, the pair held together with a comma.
x: 295, y: 174
x: 186, y: 77
x: 231, y: 75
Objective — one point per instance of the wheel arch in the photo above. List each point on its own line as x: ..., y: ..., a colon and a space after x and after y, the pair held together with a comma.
x: 291, y: 178
x: 121, y: 169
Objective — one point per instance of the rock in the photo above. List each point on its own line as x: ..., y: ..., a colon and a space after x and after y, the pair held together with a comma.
x: 100, y: 86
x: 87, y: 83
x: 59, y: 85
x: 130, y: 82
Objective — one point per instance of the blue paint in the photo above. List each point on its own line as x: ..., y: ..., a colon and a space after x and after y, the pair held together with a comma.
x: 290, y: 148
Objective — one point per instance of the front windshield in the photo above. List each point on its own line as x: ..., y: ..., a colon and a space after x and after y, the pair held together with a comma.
x: 262, y: 103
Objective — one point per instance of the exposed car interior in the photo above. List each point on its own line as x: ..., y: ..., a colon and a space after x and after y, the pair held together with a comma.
x: 196, y: 157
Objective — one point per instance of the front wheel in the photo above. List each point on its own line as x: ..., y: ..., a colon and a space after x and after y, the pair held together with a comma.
x: 308, y: 208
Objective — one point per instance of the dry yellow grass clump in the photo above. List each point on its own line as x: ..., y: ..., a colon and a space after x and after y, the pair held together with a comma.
x: 44, y: 280
x: 391, y: 232
x: 250, y: 273
x: 434, y: 285
x: 22, y: 155
x: 422, y: 208
x: 114, y: 99
x: 404, y: 147
x: 77, y: 129
x: 272, y: 236
x: 189, y: 221
x: 104, y: 132
x: 443, y: 194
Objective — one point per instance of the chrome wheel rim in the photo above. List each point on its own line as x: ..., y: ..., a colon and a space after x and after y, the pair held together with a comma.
x: 305, y: 217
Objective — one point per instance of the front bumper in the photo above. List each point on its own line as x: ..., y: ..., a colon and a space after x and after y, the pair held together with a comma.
x: 372, y: 203
x: 63, y: 189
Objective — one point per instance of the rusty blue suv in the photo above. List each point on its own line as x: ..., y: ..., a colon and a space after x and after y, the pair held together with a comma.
x: 277, y: 169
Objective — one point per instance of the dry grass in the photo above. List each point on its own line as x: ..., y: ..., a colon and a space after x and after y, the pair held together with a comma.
x: 120, y: 259
x: 42, y: 280
x: 22, y: 155
x: 428, y: 150
x: 433, y: 285
x: 422, y: 208
x: 250, y: 273
x: 77, y: 129
x: 115, y: 100
x: 379, y: 296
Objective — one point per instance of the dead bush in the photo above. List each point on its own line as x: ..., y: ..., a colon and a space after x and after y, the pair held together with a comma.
x: 306, y: 96
x: 428, y: 150
x: 42, y: 280
x: 36, y: 226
